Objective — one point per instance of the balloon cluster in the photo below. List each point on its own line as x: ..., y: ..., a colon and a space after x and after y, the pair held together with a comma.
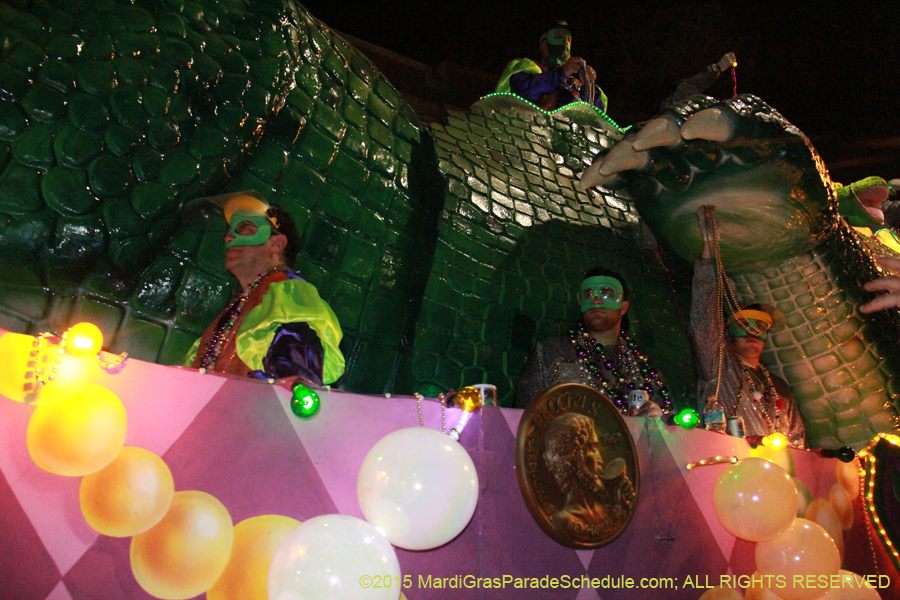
x: 417, y: 489
x: 759, y: 500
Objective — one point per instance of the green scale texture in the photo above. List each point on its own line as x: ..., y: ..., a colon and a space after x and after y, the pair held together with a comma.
x: 842, y: 382
x: 113, y: 114
x: 445, y: 252
x: 516, y: 234
x: 784, y: 243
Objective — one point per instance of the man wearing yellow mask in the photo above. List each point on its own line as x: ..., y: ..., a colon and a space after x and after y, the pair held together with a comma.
x: 741, y: 383
x: 277, y: 326
x: 598, y: 352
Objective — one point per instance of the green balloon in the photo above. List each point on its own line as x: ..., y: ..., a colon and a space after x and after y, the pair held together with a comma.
x: 305, y: 402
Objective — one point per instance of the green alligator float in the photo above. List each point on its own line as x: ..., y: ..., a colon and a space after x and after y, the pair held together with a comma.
x: 784, y: 243
x: 444, y: 251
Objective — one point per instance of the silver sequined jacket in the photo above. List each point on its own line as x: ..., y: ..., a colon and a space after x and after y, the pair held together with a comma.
x: 705, y: 328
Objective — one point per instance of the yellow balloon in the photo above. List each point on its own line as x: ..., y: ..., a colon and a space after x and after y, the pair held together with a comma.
x: 17, y: 370
x: 848, y: 476
x: 255, y: 542
x: 820, y: 511
x: 79, y: 435
x: 721, y: 593
x: 84, y: 339
x: 184, y: 554
x: 755, y: 499
x: 128, y: 496
x: 840, y: 500
x: 780, y: 456
x: 805, y: 550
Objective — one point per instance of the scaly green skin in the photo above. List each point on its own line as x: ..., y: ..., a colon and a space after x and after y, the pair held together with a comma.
x: 115, y: 113
x: 445, y: 253
x: 784, y: 244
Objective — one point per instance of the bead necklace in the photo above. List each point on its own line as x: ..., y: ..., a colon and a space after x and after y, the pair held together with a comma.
x: 220, y: 336
x: 629, y: 367
x: 767, y: 399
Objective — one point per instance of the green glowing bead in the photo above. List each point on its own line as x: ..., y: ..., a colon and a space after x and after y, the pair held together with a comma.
x: 688, y: 418
x: 305, y: 402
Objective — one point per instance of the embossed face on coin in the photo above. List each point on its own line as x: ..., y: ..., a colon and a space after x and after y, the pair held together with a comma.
x: 577, y: 466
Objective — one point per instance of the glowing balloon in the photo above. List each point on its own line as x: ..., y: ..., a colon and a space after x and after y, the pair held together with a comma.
x: 848, y: 476
x: 755, y: 499
x: 721, y: 593
x: 804, y: 550
x: 186, y: 552
x: 128, y: 496
x: 334, y: 557
x: 84, y: 339
x: 821, y: 512
x: 805, y: 496
x: 840, y: 500
x: 418, y: 487
x: 79, y: 435
x: 247, y: 572
x: 780, y: 455
x: 17, y: 370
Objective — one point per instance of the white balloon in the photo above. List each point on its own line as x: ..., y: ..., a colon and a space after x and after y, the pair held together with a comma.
x: 334, y: 557
x: 418, y: 487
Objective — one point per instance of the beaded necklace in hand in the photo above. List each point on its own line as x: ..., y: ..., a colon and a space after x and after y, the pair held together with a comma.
x: 767, y: 400
x: 223, y: 331
x: 629, y: 367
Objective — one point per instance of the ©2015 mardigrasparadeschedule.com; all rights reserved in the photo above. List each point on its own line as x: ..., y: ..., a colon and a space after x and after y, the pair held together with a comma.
x: 823, y: 582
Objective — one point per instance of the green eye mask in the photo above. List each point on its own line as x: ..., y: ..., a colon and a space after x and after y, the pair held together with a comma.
x: 558, y: 46
x: 755, y: 329
x: 262, y: 233
x: 607, y: 289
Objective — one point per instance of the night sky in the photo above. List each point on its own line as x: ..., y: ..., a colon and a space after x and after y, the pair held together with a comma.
x: 832, y: 69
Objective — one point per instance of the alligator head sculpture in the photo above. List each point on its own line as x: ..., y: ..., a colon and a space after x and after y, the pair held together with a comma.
x: 782, y: 241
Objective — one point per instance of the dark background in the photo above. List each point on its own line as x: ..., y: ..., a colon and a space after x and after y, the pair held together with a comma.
x: 832, y: 69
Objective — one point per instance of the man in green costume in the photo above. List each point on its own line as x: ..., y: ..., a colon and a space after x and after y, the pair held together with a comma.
x: 277, y: 326
x: 559, y: 79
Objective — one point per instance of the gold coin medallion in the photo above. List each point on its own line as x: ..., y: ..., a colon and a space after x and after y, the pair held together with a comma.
x: 577, y: 466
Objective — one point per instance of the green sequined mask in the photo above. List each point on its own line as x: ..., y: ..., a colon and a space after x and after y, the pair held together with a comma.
x: 755, y: 329
x: 607, y: 289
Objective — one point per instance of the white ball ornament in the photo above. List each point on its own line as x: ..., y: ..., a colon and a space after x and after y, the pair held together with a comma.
x: 418, y: 487
x: 334, y: 557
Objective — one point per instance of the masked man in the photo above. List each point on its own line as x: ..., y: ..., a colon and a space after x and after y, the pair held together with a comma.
x: 745, y: 386
x: 277, y: 326
x: 597, y: 352
x: 559, y: 79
